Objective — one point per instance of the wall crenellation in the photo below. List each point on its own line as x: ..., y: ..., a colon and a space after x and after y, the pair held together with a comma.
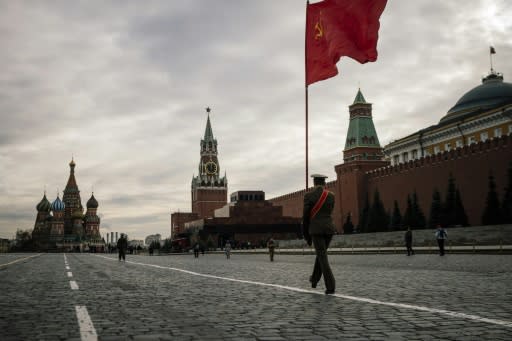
x: 465, y: 151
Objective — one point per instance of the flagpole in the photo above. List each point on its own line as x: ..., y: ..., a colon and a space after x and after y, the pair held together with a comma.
x: 306, y: 94
x: 490, y: 57
x: 307, y: 138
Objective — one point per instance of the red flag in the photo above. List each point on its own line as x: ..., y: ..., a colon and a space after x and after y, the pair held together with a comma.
x: 336, y: 28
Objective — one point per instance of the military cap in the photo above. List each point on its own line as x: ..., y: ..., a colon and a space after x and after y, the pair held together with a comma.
x: 318, y: 176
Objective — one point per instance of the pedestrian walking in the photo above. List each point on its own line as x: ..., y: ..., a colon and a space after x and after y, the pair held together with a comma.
x: 122, y: 245
x: 441, y: 236
x: 227, y: 249
x: 319, y: 229
x: 196, y: 250
x: 408, y: 241
x: 271, y: 248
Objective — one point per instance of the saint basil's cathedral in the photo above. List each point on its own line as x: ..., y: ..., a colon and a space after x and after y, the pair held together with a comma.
x: 61, y: 225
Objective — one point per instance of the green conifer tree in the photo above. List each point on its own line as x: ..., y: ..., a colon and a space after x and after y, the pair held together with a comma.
x: 408, y: 215
x: 348, y: 227
x: 418, y: 216
x: 506, y: 205
x: 449, y: 217
x: 460, y: 212
x: 396, y: 218
x: 436, y: 210
x: 378, y: 219
x: 492, y: 211
x: 363, y: 216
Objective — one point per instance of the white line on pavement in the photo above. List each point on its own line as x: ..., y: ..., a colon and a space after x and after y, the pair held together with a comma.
x: 73, y: 284
x: 87, y: 331
x: 70, y: 274
x: 348, y: 297
x: 67, y: 268
x: 19, y: 260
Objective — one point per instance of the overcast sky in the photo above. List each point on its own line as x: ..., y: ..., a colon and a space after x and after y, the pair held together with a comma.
x: 122, y: 86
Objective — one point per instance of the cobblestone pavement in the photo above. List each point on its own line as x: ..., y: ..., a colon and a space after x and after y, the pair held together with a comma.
x: 378, y: 297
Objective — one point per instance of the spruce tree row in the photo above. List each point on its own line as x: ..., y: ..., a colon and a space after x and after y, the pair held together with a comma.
x: 494, y: 212
x: 451, y: 212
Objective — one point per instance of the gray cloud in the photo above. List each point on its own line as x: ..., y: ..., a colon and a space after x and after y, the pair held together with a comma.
x: 123, y: 89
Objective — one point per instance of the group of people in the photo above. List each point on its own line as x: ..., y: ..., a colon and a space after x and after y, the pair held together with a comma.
x: 440, y: 234
x: 318, y: 230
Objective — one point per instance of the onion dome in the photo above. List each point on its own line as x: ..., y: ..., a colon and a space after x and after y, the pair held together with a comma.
x: 492, y: 93
x: 58, y: 205
x: 92, y: 202
x: 44, y: 205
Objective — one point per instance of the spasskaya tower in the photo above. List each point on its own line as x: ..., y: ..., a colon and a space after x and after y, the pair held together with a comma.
x: 209, y: 190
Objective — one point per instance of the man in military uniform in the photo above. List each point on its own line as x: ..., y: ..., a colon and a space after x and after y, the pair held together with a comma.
x: 122, y: 245
x: 318, y: 230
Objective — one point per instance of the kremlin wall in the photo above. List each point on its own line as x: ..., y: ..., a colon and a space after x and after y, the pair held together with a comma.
x: 472, y: 141
x: 469, y: 165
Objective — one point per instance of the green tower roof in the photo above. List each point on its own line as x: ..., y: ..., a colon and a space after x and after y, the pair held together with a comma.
x: 361, y: 131
x: 359, y: 97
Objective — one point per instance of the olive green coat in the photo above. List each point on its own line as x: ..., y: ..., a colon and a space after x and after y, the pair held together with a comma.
x: 322, y: 222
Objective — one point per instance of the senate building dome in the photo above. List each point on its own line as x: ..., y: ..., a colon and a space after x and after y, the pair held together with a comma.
x: 492, y: 93
x: 481, y: 114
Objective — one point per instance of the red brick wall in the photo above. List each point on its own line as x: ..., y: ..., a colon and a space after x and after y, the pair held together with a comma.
x: 470, y: 167
x: 352, y: 187
x: 208, y: 200
x: 178, y: 220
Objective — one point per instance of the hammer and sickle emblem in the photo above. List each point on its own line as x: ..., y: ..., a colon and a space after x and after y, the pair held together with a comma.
x: 319, y: 30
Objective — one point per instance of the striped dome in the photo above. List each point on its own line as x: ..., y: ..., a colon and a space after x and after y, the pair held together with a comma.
x: 58, y: 205
x: 44, y: 205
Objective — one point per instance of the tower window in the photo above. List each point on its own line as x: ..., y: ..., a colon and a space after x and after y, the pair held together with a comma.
x: 471, y: 140
x: 497, y: 132
x: 436, y: 149
x: 447, y: 147
x: 458, y: 143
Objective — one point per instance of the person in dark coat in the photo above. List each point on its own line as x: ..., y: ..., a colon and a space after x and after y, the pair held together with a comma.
x: 271, y: 248
x: 408, y: 241
x: 319, y: 229
x: 122, y: 245
x: 441, y: 235
x: 196, y: 250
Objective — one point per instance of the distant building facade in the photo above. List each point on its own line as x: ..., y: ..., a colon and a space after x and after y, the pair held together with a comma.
x: 483, y: 113
x: 248, y: 218
x: 178, y: 220
x: 62, y: 224
x: 153, y: 238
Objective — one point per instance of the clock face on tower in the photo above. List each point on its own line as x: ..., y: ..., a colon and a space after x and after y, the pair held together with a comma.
x: 211, y: 167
